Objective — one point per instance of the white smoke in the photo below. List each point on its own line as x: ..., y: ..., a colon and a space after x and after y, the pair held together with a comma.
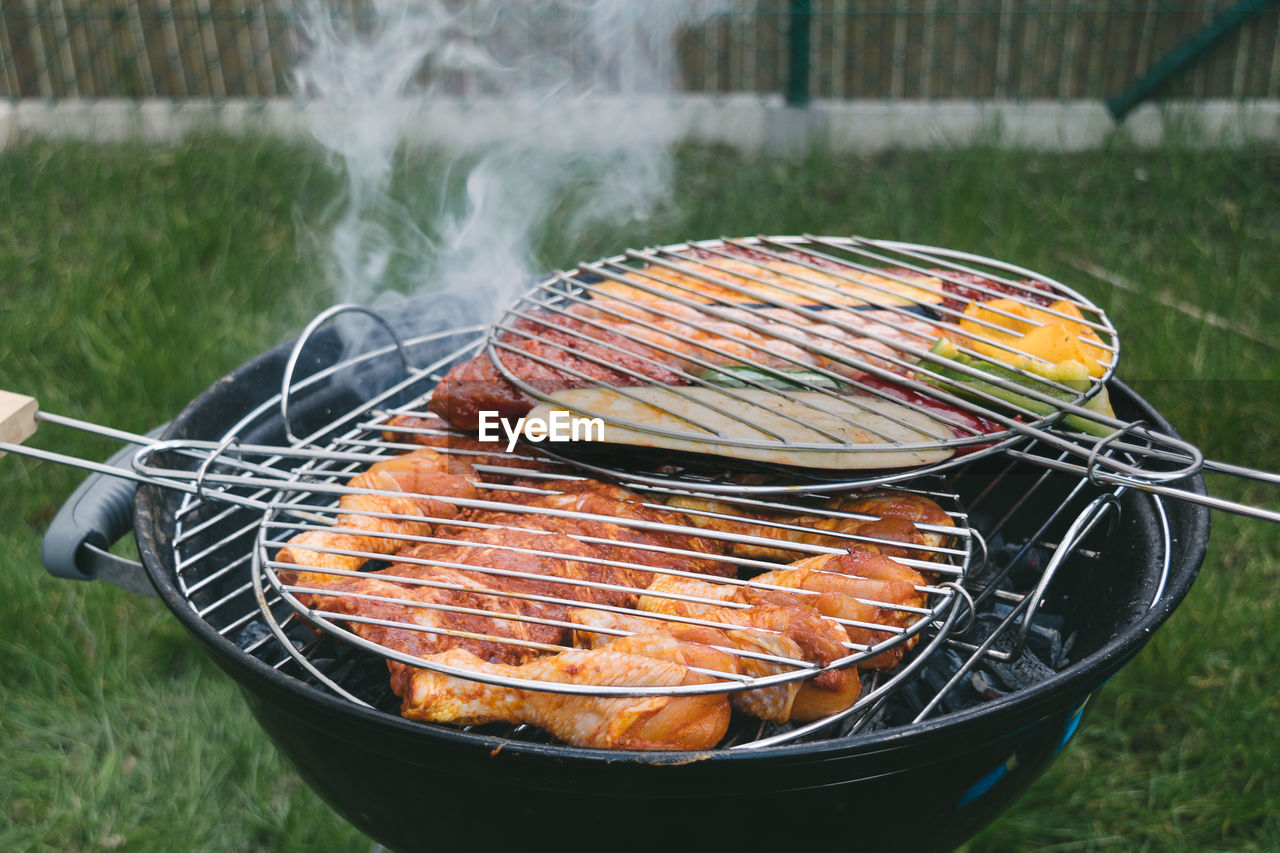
x: 575, y: 80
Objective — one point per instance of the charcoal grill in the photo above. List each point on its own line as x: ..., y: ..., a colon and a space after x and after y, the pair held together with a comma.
x: 1044, y: 537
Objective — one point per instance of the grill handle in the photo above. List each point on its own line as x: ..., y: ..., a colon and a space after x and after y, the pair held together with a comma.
x: 98, y: 513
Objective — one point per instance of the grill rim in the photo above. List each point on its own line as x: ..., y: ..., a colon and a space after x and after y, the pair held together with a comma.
x: 154, y: 525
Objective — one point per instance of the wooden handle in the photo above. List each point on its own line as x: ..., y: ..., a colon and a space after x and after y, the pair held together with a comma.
x: 17, y: 418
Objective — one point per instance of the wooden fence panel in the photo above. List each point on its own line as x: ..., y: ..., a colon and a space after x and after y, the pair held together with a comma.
x: 878, y: 49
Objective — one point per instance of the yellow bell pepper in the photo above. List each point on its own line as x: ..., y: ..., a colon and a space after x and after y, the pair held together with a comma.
x: 1040, y: 339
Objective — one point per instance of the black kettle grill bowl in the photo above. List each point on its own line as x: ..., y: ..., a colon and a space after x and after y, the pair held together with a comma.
x: 929, y: 785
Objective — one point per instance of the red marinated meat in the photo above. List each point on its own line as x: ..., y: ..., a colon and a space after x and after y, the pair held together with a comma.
x: 478, y: 385
x: 961, y: 290
x: 958, y: 418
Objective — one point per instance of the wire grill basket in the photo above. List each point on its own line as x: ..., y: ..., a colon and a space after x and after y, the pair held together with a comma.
x: 811, y: 351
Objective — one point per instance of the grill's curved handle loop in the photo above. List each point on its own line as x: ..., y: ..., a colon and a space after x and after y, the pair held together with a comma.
x: 1098, y: 459
x: 286, y: 383
x: 98, y: 513
x: 970, y: 611
x: 1079, y: 529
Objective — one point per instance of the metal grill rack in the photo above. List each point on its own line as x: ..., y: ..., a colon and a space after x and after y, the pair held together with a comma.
x: 781, y: 345
x: 225, y: 574
x: 985, y: 597
x: 276, y: 530
x: 1002, y: 576
x: 1059, y: 540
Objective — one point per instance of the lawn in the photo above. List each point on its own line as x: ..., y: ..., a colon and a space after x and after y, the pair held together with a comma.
x: 131, y: 278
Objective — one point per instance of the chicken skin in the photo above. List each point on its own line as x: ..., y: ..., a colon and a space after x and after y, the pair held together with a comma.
x: 820, y: 640
x: 427, y: 480
x: 890, y: 525
x: 773, y: 703
x: 630, y: 539
x: 606, y: 722
x: 873, y: 591
x: 512, y: 606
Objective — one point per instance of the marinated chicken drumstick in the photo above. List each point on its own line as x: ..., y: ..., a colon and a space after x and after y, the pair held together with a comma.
x: 891, y: 528
x: 600, y: 629
x: 504, y: 595
x: 630, y: 537
x: 820, y: 640
x: 427, y: 479
x: 605, y: 722
x: 877, y: 591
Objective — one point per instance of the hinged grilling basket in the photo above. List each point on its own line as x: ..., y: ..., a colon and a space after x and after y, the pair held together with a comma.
x: 277, y: 494
x: 776, y: 349
x: 834, y: 362
x: 562, y: 607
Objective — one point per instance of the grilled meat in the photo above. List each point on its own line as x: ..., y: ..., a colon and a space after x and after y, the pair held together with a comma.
x: 740, y: 274
x: 672, y: 346
x: 917, y: 509
x: 427, y: 480
x: 672, y: 322
x: 559, y: 566
x: 644, y: 722
x: 694, y: 647
x: 693, y: 339
x: 880, y: 522
x: 447, y: 610
x: 493, y: 594
x: 600, y: 628
x: 552, y: 352
x: 858, y: 598
x: 858, y: 565
x: 631, y: 539
x: 820, y: 640
x: 513, y: 590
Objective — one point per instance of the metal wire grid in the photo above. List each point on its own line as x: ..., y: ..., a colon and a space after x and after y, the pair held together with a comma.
x: 806, y: 322
x: 224, y: 596
x: 220, y: 525
x: 351, y: 453
x: 277, y: 529
x: 917, y: 49
x: 216, y: 542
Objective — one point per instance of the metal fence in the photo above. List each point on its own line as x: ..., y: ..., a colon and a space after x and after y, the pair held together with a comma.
x: 841, y: 49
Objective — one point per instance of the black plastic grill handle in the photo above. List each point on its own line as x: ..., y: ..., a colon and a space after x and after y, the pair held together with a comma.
x: 98, y: 513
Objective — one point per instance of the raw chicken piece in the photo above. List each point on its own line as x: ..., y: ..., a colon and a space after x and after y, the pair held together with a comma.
x: 604, y: 722
x: 427, y: 479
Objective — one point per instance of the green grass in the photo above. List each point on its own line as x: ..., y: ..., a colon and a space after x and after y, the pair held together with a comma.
x: 131, y: 278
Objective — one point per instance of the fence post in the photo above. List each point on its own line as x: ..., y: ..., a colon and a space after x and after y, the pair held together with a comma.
x: 1184, y: 54
x: 800, y: 19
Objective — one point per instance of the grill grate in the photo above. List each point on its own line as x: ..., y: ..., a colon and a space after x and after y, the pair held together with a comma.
x: 225, y: 567
x: 986, y: 573
x: 217, y: 542
x: 831, y: 362
x: 779, y: 348
x: 279, y: 526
